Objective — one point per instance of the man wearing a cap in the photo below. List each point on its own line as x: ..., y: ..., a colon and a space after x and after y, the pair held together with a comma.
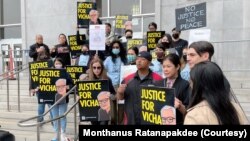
x: 129, y: 90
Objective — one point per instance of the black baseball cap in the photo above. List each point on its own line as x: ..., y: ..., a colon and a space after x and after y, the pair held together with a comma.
x: 145, y: 55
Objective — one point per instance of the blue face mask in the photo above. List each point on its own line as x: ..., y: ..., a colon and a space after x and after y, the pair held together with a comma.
x: 115, y: 51
x: 131, y: 58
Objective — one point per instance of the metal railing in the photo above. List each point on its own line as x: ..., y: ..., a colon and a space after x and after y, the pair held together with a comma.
x: 22, y: 122
x: 13, y: 73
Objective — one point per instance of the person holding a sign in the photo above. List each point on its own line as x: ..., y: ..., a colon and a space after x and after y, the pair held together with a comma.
x: 61, y: 108
x: 113, y: 63
x: 85, y: 58
x: 129, y: 90
x: 211, y: 103
x: 97, y: 72
x: 94, y: 17
x: 62, y: 49
x: 152, y: 26
x: 35, y: 48
x: 171, y: 69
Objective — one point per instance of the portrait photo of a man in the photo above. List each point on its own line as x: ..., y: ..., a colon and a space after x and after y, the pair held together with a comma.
x: 104, y: 113
x: 168, y: 115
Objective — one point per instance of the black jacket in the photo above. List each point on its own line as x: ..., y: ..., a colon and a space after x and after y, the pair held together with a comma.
x: 182, y: 92
x: 32, y: 52
x: 132, y: 95
x: 64, y: 56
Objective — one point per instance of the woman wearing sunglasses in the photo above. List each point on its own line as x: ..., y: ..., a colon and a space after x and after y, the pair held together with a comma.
x: 97, y: 72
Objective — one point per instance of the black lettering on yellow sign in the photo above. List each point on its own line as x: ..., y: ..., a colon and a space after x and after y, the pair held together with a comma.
x: 153, y: 95
x: 44, y: 80
x: 83, y: 16
x: 74, y: 69
x: 155, y: 35
x: 85, y: 5
x: 151, y: 117
x: 49, y: 73
x: 85, y: 95
x: 39, y: 65
x: 89, y: 86
x: 48, y: 88
x: 89, y: 103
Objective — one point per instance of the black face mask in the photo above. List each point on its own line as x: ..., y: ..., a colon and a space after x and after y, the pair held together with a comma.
x: 165, y: 44
x: 175, y: 35
x: 184, y: 58
x: 129, y: 37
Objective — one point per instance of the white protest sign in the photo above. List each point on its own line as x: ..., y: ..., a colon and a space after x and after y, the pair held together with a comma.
x: 97, y: 37
x: 199, y: 35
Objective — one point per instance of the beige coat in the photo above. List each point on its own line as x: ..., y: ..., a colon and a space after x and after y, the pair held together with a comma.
x: 203, y: 114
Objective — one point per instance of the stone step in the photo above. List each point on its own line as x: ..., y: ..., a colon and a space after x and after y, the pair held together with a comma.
x: 243, y: 97
x: 23, y: 81
x: 10, y: 124
x: 23, y: 106
x: 241, y: 92
x: 14, y: 86
x: 32, y: 135
x: 244, y: 75
x: 14, y: 92
x: 23, y: 98
x: 15, y: 115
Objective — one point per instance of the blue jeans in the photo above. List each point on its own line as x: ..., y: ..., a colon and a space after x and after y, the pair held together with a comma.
x: 41, y: 110
x: 57, y: 111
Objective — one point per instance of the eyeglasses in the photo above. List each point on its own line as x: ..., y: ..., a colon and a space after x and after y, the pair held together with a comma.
x: 98, y: 68
x: 104, y: 101
x: 167, y: 119
x: 60, y: 87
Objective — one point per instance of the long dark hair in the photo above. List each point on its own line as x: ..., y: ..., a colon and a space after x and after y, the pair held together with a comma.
x: 208, y: 84
x: 122, y: 53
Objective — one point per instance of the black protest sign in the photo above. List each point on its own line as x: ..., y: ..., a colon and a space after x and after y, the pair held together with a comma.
x: 191, y: 17
x: 33, y: 68
x: 134, y: 42
x: 47, y: 87
x: 120, y: 21
x: 154, y: 103
x: 75, y: 72
x: 75, y: 49
x: 89, y: 106
x: 153, y: 37
x: 83, y: 9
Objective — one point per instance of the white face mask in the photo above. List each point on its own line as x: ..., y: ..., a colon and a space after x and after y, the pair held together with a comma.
x: 59, y: 66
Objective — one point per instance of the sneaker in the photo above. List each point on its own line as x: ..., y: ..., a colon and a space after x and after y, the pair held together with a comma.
x: 64, y: 138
